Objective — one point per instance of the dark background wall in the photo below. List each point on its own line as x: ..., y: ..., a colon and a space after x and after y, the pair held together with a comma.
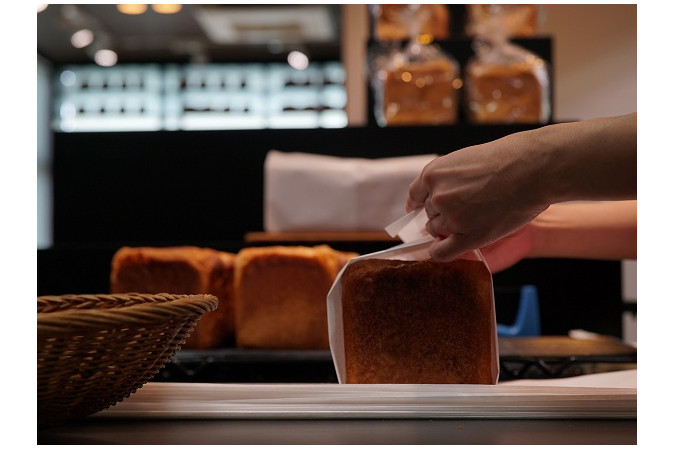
x: 206, y: 188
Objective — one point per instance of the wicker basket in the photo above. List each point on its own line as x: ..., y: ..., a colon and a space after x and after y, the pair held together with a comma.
x: 96, y: 350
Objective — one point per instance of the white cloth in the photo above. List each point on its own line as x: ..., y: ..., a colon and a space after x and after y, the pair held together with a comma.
x: 309, y: 192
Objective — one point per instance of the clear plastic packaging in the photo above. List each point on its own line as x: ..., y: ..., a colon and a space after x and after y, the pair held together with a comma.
x: 513, y: 20
x: 393, y: 22
x: 416, y: 85
x: 505, y: 83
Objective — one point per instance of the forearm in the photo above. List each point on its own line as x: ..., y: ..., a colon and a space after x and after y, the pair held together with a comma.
x: 593, y: 230
x: 590, y: 160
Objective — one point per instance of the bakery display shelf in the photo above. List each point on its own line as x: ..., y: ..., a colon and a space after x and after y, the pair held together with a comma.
x: 562, y: 356
x: 460, y: 48
x: 511, y: 368
x: 319, y: 236
x: 235, y: 365
x: 543, y: 357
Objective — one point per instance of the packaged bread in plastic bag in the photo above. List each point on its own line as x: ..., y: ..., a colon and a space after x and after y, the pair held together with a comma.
x: 514, y: 20
x: 398, y: 317
x: 418, y: 84
x: 505, y: 83
x: 393, y: 22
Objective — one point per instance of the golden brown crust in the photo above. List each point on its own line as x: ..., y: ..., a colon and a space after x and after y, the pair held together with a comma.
x: 181, y: 270
x: 421, y: 93
x: 280, y: 294
x: 417, y: 322
x: 505, y: 93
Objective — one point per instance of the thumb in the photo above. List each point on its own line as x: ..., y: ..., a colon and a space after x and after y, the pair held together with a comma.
x: 449, y: 248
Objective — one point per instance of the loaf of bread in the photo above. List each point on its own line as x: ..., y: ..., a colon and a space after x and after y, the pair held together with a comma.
x: 421, y: 92
x: 182, y: 270
x: 395, y: 22
x: 507, y: 92
x: 280, y: 295
x: 418, y: 322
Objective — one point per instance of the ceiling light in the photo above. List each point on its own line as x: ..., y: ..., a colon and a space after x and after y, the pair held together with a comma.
x: 105, y: 58
x: 132, y: 9
x: 68, y: 78
x: 41, y: 8
x: 298, y: 60
x: 167, y: 9
x: 82, y: 38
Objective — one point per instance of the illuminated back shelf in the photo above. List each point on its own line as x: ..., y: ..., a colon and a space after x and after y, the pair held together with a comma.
x: 151, y: 97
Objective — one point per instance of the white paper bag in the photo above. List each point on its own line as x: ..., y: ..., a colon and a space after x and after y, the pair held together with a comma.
x: 309, y: 192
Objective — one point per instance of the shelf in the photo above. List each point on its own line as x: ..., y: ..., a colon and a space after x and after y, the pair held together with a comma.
x: 320, y: 236
x: 544, y: 357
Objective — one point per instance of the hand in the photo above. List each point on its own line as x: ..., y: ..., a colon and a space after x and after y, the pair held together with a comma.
x: 478, y: 194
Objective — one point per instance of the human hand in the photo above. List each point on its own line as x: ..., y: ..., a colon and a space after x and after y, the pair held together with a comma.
x: 477, y: 195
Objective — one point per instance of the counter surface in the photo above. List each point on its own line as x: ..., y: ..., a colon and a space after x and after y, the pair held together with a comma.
x: 591, y: 409
x: 98, y: 431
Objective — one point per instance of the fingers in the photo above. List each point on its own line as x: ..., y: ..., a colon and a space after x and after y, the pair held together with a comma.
x: 448, y: 245
x: 418, y: 191
x: 449, y: 248
x: 434, y: 226
x: 417, y: 194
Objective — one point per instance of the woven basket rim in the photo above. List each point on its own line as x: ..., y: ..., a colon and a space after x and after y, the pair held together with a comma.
x: 170, y: 306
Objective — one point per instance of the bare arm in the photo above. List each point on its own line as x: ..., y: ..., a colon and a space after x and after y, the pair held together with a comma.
x: 477, y: 195
x: 585, y: 230
x: 592, y: 160
x: 597, y: 230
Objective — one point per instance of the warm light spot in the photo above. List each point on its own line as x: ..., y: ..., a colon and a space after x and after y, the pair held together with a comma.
x: 167, y: 9
x: 420, y: 82
x: 105, y: 58
x: 132, y: 9
x: 425, y: 38
x: 298, y: 60
x: 406, y: 76
x: 82, y: 38
x: 457, y: 83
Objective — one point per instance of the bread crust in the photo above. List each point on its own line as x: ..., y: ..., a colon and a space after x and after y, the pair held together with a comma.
x: 418, y: 322
x: 182, y: 270
x: 280, y: 296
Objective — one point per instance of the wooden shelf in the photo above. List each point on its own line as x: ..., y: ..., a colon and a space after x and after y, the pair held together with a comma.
x: 320, y: 236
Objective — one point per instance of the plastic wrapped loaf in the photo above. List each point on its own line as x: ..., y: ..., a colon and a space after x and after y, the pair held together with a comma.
x: 418, y: 322
x: 511, y: 20
x: 505, y: 83
x: 417, y: 85
x: 401, y: 22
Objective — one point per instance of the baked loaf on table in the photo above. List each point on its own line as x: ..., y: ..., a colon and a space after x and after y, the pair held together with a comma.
x: 418, y: 322
x: 280, y: 295
x: 182, y: 270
